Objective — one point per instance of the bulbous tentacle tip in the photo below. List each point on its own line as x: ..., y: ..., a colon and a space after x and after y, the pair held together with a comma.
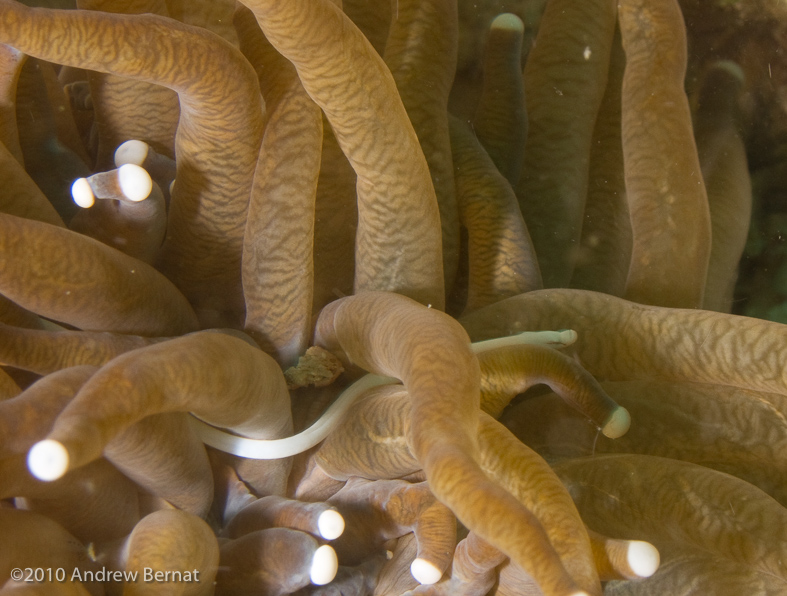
x: 330, y: 524
x: 325, y: 564
x: 132, y: 151
x: 508, y: 22
x: 617, y: 424
x: 424, y: 572
x: 643, y: 558
x: 48, y: 460
x: 567, y: 336
x: 135, y: 182
x: 82, y: 193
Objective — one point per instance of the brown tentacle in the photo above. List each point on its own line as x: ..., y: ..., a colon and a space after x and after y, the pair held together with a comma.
x: 218, y: 135
x: 220, y: 378
x: 668, y: 204
x: 179, y: 548
x: 43, y: 351
x: 68, y: 277
x: 162, y: 454
x: 396, y: 202
x: 502, y: 260
x: 605, y: 250
x: 275, y: 561
x: 391, y: 335
x: 500, y: 119
x: 421, y: 53
x: 565, y: 77
x: 278, y: 270
x: 511, y: 370
x: 93, y: 503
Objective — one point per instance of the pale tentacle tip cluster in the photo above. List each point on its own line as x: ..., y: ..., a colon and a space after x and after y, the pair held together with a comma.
x: 617, y: 424
x: 48, y: 460
x: 324, y: 566
x: 424, y: 572
x: 129, y: 182
x: 330, y: 524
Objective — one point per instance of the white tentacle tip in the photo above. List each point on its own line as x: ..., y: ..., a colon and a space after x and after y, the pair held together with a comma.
x: 567, y: 336
x: 618, y: 423
x: 424, y: 572
x: 82, y: 193
x: 132, y: 151
x: 330, y: 524
x: 47, y: 460
x: 643, y: 558
x: 135, y: 182
x: 325, y: 564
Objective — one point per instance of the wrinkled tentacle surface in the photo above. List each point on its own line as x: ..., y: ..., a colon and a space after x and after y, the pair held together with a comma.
x: 77, y: 280
x: 218, y: 138
x: 670, y: 220
x: 396, y: 201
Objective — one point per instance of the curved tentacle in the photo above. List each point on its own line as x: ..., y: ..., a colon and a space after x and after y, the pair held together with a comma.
x: 218, y: 136
x: 392, y: 335
x: 398, y: 244
x: 220, y: 378
x: 65, y: 276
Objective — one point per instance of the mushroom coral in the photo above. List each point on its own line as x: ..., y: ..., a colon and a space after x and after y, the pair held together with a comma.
x: 298, y: 118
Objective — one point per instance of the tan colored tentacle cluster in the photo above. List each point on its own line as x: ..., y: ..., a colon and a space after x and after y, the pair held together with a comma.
x: 397, y: 208
x: 220, y: 378
x: 672, y: 502
x: 133, y: 415
x: 126, y: 108
x: 217, y: 141
x: 621, y: 340
x: 392, y: 335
